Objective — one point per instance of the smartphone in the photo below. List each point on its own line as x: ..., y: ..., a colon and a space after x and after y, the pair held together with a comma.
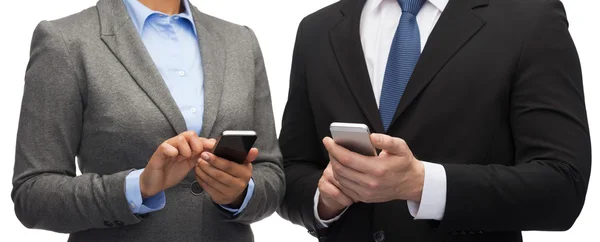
x: 354, y: 137
x: 234, y: 145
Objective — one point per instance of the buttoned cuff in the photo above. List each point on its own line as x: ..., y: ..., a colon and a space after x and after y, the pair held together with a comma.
x: 321, y: 224
x: 249, y: 193
x: 133, y: 194
x: 433, y: 199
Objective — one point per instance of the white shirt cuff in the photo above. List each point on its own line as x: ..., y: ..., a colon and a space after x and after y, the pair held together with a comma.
x: 321, y: 224
x: 433, y: 199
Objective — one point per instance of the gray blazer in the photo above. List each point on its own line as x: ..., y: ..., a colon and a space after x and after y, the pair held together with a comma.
x: 93, y: 93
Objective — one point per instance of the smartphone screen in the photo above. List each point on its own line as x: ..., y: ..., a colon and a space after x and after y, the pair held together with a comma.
x: 235, y: 145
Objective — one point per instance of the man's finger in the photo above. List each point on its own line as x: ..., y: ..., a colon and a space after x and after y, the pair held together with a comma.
x: 351, y: 191
x: 340, y: 171
x: 391, y: 145
x: 334, y: 192
x: 329, y: 177
x: 334, y: 181
x: 346, y: 157
x: 338, y: 178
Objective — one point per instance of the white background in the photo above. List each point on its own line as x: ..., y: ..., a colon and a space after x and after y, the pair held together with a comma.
x: 275, y: 23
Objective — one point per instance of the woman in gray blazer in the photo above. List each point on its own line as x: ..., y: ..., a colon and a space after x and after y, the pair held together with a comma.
x: 125, y: 87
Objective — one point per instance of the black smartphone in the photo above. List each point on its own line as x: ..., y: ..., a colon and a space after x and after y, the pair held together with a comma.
x: 234, y: 145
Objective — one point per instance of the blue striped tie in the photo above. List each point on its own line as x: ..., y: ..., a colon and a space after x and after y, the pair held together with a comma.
x: 404, y: 54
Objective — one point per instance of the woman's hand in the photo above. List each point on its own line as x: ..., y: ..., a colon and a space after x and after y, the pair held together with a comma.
x: 225, y: 181
x: 171, y: 162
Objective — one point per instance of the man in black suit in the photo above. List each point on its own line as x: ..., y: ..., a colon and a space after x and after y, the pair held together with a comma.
x: 479, y: 115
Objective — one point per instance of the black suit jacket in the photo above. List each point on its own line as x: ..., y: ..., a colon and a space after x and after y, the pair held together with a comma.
x: 496, y: 98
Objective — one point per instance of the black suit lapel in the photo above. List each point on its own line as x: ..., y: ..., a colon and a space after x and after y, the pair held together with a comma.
x: 453, y: 30
x: 346, y: 43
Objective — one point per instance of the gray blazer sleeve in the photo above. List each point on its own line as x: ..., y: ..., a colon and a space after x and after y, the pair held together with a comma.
x: 46, y: 193
x: 267, y: 171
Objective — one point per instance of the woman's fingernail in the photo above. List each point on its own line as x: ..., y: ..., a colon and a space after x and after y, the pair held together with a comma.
x: 205, y: 156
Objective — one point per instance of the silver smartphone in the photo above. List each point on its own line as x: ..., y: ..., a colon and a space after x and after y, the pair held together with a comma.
x: 234, y: 145
x: 354, y: 137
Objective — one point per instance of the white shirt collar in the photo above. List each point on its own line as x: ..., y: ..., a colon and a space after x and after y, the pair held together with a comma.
x: 439, y: 4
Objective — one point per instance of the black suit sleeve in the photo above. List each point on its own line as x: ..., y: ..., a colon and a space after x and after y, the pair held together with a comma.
x: 546, y: 188
x: 300, y: 145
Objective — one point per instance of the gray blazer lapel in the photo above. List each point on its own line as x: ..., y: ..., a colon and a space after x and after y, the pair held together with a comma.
x: 213, y: 63
x: 121, y: 37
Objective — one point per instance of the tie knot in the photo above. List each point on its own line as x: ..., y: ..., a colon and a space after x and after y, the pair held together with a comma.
x: 411, y: 6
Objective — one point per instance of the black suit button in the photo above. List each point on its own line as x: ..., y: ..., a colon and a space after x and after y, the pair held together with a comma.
x: 454, y: 233
x: 379, y: 236
x: 108, y: 224
x: 119, y: 223
x: 196, y: 189
x: 463, y: 233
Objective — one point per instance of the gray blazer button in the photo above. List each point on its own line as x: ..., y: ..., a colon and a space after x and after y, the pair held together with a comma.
x: 108, y: 224
x: 119, y: 223
x: 379, y: 236
x: 196, y: 189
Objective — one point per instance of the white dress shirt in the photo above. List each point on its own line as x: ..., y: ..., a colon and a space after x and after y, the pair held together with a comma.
x: 378, y: 24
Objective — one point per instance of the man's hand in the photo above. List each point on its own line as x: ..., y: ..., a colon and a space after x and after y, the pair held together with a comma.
x: 170, y: 163
x: 225, y: 181
x: 331, y: 199
x: 393, y: 175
